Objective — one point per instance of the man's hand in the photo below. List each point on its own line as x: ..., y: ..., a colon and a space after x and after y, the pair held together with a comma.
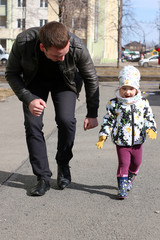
x: 37, y: 106
x: 90, y: 123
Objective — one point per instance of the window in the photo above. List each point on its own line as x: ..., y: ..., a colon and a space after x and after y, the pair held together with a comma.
x: 3, y: 21
x: 155, y: 57
x: 42, y: 22
x: 21, y: 23
x: 21, y: 3
x: 3, y: 2
x: 43, y: 3
x: 3, y: 43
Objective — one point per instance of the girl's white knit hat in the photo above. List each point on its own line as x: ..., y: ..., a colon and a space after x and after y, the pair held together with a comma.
x: 129, y: 76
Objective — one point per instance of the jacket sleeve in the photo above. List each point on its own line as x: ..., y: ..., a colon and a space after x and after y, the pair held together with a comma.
x: 87, y: 71
x: 149, y: 117
x: 108, y: 120
x: 14, y: 74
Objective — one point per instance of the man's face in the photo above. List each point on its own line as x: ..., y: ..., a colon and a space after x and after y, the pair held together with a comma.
x: 55, y: 54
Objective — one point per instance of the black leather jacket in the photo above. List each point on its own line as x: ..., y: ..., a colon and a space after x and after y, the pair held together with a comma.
x: 22, y: 68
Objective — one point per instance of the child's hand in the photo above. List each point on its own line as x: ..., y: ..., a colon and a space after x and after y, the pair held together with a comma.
x: 100, y: 142
x: 151, y: 133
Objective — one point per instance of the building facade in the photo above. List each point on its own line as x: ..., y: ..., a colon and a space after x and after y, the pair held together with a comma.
x: 135, y: 46
x: 102, y: 33
x: 95, y: 21
x: 17, y: 15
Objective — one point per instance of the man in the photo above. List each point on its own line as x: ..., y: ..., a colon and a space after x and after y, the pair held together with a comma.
x: 50, y: 59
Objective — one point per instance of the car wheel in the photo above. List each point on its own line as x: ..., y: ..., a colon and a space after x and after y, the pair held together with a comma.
x: 145, y: 64
x: 4, y: 61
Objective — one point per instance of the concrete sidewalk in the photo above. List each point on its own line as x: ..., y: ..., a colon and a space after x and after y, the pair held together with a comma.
x: 89, y: 208
x: 13, y: 147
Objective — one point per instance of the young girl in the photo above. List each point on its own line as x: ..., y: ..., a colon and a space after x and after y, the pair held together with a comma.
x: 129, y: 117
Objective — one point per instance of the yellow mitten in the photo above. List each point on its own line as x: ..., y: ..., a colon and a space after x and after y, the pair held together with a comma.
x: 151, y: 133
x: 100, y: 142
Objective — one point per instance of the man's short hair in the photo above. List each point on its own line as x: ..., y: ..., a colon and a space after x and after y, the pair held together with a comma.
x: 54, y: 34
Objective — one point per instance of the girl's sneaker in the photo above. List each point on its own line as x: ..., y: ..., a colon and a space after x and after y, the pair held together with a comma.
x: 131, y: 178
x: 122, y: 187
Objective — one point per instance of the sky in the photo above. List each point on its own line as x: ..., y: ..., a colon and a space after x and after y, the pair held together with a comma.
x: 146, y: 12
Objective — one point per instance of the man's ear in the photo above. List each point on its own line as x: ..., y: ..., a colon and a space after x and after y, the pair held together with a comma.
x: 42, y: 48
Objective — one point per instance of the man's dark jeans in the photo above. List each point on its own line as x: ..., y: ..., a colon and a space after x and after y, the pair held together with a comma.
x: 64, y: 103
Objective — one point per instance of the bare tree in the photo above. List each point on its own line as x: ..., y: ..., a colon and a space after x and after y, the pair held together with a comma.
x: 73, y: 13
x: 123, y: 23
x: 157, y: 22
x: 119, y: 41
x: 127, y: 25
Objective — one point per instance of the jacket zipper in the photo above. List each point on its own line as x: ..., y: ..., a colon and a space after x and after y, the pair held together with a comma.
x: 132, y: 114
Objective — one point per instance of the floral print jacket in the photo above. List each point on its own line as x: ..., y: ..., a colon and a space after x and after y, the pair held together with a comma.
x: 127, y: 123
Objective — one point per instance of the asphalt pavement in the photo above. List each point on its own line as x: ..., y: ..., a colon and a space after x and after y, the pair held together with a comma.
x: 88, y: 209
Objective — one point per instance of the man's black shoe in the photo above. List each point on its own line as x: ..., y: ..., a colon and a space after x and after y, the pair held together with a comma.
x: 64, y: 176
x: 40, y: 188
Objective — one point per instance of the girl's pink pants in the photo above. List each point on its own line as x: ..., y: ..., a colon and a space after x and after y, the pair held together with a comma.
x: 129, y: 159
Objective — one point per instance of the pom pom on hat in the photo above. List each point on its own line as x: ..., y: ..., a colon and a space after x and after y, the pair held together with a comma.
x: 129, y: 76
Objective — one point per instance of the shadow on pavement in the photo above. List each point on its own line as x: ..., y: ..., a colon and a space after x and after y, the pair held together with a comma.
x: 25, y: 182
x: 153, y: 98
x: 95, y: 189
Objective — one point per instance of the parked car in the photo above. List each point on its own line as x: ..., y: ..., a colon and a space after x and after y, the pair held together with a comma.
x: 125, y: 56
x: 4, y: 58
x: 135, y: 58
x: 151, y: 61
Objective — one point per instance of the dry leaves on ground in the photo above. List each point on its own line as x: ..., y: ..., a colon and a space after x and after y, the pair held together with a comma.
x: 113, y: 71
x: 4, y: 93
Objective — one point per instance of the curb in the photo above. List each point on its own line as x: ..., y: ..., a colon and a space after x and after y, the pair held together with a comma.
x: 115, y: 78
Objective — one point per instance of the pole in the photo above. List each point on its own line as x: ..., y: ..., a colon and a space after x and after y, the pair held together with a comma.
x: 119, y: 41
